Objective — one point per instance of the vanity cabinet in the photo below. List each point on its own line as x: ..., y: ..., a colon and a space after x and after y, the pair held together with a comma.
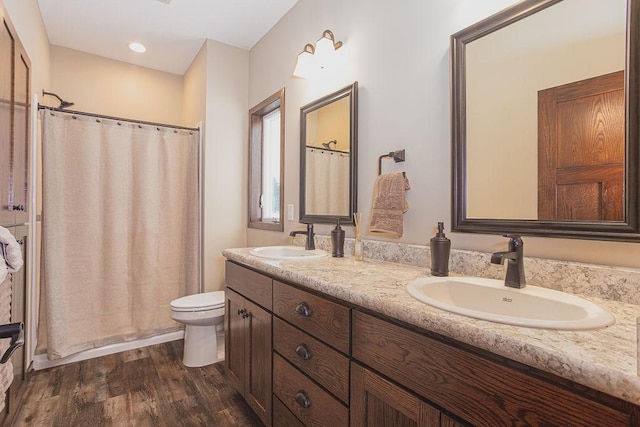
x: 329, y: 363
x: 376, y: 401
x: 473, y: 387
x: 248, y: 343
x: 311, y: 342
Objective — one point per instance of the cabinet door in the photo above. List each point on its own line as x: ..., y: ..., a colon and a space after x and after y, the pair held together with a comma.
x: 378, y: 402
x: 6, y: 85
x: 234, y: 345
x: 258, y: 354
x: 21, y: 137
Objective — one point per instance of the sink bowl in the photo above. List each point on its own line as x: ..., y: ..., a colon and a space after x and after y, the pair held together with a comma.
x: 287, y: 252
x: 489, y: 299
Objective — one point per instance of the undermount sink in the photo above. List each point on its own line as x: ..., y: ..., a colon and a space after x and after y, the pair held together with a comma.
x: 287, y: 252
x: 531, y: 306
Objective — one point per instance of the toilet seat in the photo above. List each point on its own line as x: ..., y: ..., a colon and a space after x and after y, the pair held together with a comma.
x: 199, y: 302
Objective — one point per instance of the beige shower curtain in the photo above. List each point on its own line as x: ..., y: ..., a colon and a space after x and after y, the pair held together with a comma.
x: 327, y: 181
x: 120, y: 225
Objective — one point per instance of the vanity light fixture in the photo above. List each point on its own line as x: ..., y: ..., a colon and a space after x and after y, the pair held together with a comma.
x: 137, y: 47
x: 306, y: 64
x: 314, y: 59
x: 326, y: 48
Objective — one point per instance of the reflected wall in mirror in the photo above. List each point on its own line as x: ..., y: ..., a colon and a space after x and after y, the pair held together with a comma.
x: 540, y: 96
x: 328, y: 157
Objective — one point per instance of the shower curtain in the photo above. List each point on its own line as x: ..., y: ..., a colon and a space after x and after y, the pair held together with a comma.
x: 327, y: 182
x: 120, y: 229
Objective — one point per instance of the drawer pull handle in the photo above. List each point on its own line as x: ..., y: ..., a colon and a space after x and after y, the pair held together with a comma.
x: 246, y: 314
x: 302, y: 399
x: 303, y: 309
x: 303, y: 351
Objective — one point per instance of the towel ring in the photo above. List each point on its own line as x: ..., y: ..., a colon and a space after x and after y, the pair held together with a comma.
x: 397, y: 156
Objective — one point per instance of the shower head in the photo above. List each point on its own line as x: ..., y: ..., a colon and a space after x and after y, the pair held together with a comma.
x: 328, y: 144
x: 63, y: 104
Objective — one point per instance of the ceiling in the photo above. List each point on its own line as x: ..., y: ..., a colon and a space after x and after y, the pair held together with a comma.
x: 172, y: 30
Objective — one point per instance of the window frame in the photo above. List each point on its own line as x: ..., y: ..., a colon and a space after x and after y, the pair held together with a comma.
x: 256, y: 161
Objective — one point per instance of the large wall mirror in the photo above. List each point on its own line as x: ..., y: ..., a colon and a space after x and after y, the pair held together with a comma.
x: 329, y: 157
x: 545, y: 121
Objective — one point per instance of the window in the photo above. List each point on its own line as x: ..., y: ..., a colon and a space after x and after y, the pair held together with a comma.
x: 266, y: 154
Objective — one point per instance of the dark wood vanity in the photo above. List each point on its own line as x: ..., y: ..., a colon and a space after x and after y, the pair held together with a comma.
x: 311, y: 359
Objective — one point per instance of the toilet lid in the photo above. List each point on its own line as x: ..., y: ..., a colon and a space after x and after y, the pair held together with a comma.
x: 203, y: 301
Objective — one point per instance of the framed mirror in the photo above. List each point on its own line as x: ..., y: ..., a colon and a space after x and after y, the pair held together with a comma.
x: 545, y: 122
x: 329, y: 157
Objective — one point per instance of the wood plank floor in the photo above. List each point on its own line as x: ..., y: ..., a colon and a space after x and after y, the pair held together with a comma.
x: 142, y: 387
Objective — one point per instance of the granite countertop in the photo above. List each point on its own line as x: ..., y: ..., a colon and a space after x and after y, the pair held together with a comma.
x: 605, y: 359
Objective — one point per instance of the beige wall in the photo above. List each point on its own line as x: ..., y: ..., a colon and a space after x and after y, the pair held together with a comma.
x: 225, y: 154
x: 334, y: 125
x: 399, y: 54
x: 114, y: 88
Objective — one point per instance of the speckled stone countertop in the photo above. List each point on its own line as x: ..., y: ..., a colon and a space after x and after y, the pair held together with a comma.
x: 605, y: 359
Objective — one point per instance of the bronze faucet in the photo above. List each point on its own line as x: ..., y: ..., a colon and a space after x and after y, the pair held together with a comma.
x: 309, y: 232
x: 515, y: 266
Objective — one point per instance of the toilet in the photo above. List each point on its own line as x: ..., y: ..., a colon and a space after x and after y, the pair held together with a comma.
x: 202, y: 314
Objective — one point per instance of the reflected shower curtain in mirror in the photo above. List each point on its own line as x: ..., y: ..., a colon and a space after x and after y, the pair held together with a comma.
x: 120, y: 229
x: 327, y: 182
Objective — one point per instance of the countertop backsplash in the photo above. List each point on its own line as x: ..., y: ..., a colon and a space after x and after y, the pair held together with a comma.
x: 606, y: 282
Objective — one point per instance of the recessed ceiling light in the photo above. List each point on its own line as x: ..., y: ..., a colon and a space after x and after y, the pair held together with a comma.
x: 137, y: 47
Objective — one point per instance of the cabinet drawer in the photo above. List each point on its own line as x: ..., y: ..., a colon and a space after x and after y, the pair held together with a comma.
x: 255, y: 286
x: 293, y: 388
x: 282, y: 417
x: 476, y: 389
x: 324, y: 319
x: 325, y: 365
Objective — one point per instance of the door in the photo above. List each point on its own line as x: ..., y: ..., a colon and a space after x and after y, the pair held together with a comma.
x: 7, y: 216
x: 258, y: 374
x: 21, y: 125
x: 234, y: 347
x: 581, y: 150
x: 376, y: 402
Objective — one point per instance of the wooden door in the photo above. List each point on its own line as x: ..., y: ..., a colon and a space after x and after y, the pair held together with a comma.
x: 6, y: 103
x: 581, y: 150
x: 20, y: 176
x: 234, y: 348
x: 258, y: 354
x: 378, y: 402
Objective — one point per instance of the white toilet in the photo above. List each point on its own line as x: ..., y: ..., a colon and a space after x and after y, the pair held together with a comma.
x: 201, y: 313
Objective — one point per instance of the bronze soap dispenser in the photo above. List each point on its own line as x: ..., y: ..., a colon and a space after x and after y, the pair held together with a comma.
x: 440, y: 248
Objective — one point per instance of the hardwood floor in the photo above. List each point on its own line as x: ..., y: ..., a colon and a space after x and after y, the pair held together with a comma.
x: 142, y: 387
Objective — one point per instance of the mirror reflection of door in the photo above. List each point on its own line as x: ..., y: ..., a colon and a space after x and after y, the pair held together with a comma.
x: 581, y: 150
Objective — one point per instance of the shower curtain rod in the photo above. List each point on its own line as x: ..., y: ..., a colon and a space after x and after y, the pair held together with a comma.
x: 327, y: 149
x: 117, y: 119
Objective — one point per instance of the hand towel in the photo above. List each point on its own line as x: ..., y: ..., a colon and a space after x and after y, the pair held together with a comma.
x: 10, y: 254
x: 389, y: 204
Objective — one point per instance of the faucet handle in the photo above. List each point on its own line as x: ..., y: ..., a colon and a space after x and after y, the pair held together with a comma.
x: 515, y: 241
x: 515, y: 238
